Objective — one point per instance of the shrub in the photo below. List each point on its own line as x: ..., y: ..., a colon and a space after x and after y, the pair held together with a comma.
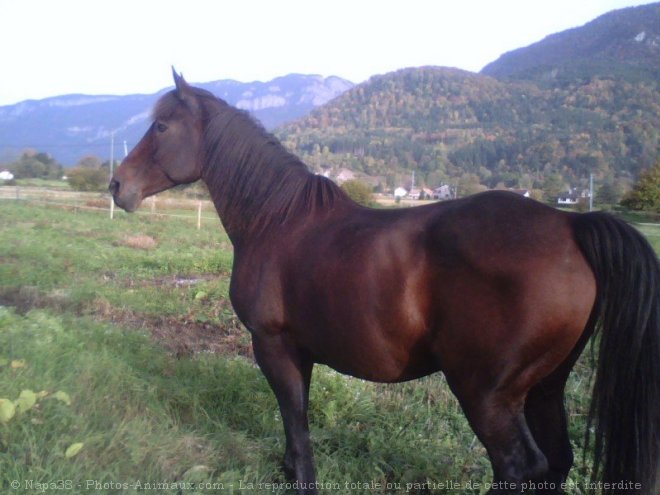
x: 646, y: 192
x: 88, y: 179
x: 359, y: 192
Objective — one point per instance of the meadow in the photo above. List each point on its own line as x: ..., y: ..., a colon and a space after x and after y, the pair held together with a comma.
x: 124, y: 369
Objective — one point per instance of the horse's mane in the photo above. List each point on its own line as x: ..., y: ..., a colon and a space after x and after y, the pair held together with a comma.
x: 250, y: 173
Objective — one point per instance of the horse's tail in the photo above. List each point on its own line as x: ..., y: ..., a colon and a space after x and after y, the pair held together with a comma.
x: 625, y: 408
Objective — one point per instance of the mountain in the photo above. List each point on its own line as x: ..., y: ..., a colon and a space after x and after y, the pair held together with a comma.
x: 281, y: 100
x: 72, y: 126
x: 622, y: 43
x: 522, y: 126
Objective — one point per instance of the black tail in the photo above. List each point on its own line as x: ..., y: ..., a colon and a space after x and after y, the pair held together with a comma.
x: 625, y: 408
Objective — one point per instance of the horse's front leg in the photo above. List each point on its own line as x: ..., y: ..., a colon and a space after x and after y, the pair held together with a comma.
x: 289, y: 372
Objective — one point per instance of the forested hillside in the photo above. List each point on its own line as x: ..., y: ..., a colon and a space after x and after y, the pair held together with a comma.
x: 446, y: 124
x: 622, y: 43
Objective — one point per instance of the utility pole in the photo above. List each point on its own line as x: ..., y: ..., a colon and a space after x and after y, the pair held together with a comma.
x: 125, y: 149
x: 591, y: 192
x: 112, y: 153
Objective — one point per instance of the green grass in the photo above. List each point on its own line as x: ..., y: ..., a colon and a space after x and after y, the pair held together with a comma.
x: 139, y: 413
x: 83, y: 259
x: 50, y: 183
x: 145, y: 415
x: 652, y: 233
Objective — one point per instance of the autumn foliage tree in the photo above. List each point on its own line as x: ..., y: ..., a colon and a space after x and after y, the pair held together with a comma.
x: 359, y: 192
x: 645, y: 194
x: 88, y: 179
x: 89, y: 175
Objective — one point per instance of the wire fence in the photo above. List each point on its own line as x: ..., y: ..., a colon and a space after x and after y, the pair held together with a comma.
x: 175, y: 207
x: 166, y: 205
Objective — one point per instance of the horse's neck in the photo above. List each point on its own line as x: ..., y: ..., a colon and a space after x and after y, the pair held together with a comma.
x: 254, y: 182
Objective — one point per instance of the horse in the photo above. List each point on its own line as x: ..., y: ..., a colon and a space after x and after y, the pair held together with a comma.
x: 498, y: 292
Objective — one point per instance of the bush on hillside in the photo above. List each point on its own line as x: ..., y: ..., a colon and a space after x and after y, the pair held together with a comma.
x: 88, y: 179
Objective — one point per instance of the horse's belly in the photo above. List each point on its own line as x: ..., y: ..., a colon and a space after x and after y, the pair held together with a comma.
x: 371, y: 352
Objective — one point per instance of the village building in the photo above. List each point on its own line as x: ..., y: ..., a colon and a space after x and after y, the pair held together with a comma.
x: 443, y: 192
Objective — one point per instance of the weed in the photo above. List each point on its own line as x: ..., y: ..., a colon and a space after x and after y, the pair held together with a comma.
x: 140, y: 241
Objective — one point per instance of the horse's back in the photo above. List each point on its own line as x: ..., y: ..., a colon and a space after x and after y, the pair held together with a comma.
x: 498, y: 227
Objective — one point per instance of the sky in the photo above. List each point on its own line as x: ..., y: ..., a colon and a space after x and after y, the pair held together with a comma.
x: 56, y: 47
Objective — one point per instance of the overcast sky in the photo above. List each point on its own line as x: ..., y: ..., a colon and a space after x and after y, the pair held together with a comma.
x: 55, y: 47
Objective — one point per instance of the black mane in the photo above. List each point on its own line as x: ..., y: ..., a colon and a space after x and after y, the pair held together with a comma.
x: 251, y: 176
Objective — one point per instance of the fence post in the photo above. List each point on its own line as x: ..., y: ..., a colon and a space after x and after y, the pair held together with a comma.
x: 199, y: 215
x: 18, y: 194
x: 112, y: 208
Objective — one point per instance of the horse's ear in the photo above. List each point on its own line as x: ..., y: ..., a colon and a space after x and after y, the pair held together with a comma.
x: 181, y: 85
x: 184, y: 91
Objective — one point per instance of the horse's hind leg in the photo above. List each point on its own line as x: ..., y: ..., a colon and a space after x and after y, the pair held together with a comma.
x: 499, y: 422
x: 516, y: 459
x: 546, y: 417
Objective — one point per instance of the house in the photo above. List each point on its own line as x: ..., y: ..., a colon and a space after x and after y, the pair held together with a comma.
x: 6, y: 175
x: 400, y: 192
x: 442, y: 192
x: 415, y: 193
x: 573, y: 196
x: 568, y: 199
x: 344, y: 175
x: 420, y: 193
x: 521, y: 192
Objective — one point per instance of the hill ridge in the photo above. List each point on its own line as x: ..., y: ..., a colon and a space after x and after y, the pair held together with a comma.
x: 620, y: 43
x: 74, y: 125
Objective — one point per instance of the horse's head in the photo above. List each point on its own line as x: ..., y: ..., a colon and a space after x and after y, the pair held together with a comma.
x: 170, y: 153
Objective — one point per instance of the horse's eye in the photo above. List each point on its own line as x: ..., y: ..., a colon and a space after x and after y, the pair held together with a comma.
x: 160, y: 127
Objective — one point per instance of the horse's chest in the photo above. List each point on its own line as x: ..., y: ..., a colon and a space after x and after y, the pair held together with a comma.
x: 256, y: 296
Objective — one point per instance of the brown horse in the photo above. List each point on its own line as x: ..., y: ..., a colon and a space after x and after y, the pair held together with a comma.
x: 499, y: 292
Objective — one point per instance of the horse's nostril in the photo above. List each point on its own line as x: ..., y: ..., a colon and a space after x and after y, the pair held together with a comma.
x: 114, y: 186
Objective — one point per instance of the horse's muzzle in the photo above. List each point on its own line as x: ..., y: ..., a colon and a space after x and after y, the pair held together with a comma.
x: 113, y: 187
x: 125, y: 198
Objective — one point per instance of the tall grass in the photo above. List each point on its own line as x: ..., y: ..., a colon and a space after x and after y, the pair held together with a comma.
x: 137, y: 411
x: 144, y: 415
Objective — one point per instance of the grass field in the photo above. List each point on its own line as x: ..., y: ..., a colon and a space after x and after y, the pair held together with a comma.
x: 127, y: 370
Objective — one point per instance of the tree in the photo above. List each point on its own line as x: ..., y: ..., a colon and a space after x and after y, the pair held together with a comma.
x: 645, y: 194
x: 88, y: 179
x: 359, y: 192
x: 608, y: 194
x: 553, y: 185
x: 469, y: 184
x: 33, y: 164
x: 89, y: 161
